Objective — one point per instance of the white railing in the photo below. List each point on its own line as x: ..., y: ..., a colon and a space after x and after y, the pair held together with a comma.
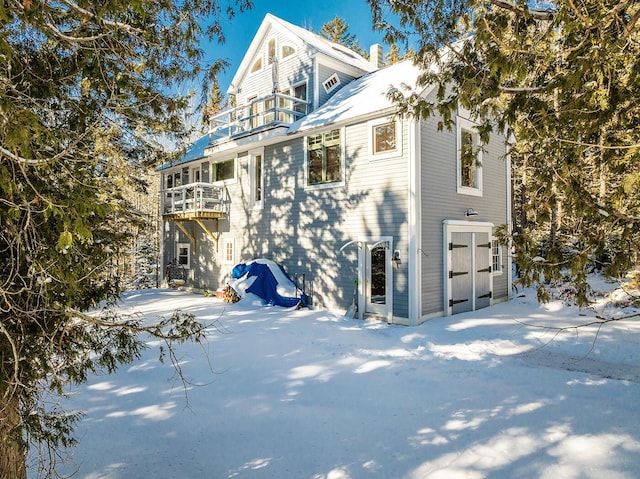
x: 195, y: 198
x: 273, y: 109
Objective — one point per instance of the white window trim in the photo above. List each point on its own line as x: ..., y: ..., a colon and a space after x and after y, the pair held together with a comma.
x: 255, y: 60
x: 256, y: 205
x: 464, y: 124
x: 334, y: 79
x: 230, y: 181
x: 266, y: 64
x: 178, y: 247
x: 494, y: 271
x: 225, y: 242
x: 387, y: 154
x: 287, y: 44
x: 323, y: 186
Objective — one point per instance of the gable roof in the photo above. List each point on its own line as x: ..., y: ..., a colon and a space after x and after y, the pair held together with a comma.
x: 364, y: 96
x: 312, y: 41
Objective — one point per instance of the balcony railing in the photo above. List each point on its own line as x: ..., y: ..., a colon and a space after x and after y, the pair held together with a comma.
x: 274, y: 109
x: 197, y: 200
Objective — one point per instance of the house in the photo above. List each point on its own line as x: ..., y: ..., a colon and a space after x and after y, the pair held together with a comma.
x: 313, y: 169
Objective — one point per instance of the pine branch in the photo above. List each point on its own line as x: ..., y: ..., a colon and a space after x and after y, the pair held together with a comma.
x: 536, y: 13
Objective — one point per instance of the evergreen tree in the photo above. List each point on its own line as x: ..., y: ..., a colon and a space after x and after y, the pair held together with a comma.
x: 85, y: 90
x: 564, y: 77
x: 394, y: 55
x: 337, y: 31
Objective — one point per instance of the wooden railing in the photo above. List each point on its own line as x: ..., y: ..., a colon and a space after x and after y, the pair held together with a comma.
x: 196, y: 199
x: 273, y: 109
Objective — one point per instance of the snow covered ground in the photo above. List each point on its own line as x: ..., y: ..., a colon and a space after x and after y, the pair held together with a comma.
x: 304, y: 394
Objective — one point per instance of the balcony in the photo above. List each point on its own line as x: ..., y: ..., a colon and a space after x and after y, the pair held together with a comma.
x: 276, y: 109
x: 195, y: 201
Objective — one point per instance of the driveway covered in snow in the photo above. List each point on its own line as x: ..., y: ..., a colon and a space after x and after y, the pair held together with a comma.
x: 305, y: 394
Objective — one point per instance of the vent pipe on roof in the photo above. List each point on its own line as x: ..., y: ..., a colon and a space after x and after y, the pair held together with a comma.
x: 375, y: 55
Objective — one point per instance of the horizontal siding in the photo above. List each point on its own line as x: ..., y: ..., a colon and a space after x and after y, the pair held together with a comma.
x: 304, y: 229
x: 440, y: 201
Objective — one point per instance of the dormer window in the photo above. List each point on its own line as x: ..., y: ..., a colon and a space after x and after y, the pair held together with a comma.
x: 331, y: 83
x: 257, y: 65
x: 287, y: 51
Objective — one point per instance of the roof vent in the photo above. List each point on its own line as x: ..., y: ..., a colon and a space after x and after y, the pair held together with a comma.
x: 331, y: 83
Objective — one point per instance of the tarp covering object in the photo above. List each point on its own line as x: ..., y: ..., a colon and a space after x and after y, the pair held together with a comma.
x: 267, y: 280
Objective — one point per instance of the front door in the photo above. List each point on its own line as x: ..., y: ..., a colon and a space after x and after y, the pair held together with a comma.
x: 377, y: 279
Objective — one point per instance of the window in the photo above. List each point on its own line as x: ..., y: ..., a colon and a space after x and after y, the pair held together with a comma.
x: 184, y: 255
x: 228, y: 251
x: 385, y: 140
x: 257, y: 178
x: 223, y: 170
x: 195, y: 174
x: 331, y: 83
x: 300, y: 91
x: 324, y: 158
x: 287, y: 51
x: 496, y: 255
x: 271, y: 51
x: 469, y: 153
x: 257, y: 65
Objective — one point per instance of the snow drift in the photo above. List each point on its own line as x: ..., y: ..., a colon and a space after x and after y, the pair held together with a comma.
x: 267, y: 280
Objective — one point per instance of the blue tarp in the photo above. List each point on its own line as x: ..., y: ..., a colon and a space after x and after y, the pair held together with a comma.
x: 265, y: 284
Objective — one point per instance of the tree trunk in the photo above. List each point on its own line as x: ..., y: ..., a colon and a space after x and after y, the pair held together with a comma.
x: 12, y: 448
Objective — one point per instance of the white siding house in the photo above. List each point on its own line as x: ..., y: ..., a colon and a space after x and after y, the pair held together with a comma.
x: 313, y: 169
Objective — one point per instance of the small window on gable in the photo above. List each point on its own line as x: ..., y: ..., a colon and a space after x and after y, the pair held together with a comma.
x: 385, y: 139
x: 271, y: 51
x: 257, y: 65
x: 287, y: 51
x: 469, y: 158
x: 331, y: 83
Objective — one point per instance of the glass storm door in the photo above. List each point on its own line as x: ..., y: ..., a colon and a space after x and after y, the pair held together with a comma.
x: 376, y: 279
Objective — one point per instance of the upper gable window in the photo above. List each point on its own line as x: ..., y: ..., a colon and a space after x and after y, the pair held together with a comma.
x: 331, y: 83
x: 385, y: 139
x: 469, y: 158
x: 271, y: 51
x: 325, y: 159
x: 287, y: 51
x: 257, y: 65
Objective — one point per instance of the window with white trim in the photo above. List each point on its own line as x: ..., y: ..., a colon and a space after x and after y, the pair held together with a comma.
x: 385, y: 139
x: 469, y: 158
x: 257, y: 66
x: 271, y: 50
x: 256, y: 173
x: 325, y: 159
x: 331, y: 83
x: 228, y: 251
x: 183, y: 255
x: 287, y: 51
x: 223, y: 170
x: 496, y: 257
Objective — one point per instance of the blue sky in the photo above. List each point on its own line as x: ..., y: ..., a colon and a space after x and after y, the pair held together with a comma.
x: 240, y: 31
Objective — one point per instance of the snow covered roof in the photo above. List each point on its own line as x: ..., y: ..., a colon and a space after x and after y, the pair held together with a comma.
x: 194, y: 151
x: 363, y: 96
